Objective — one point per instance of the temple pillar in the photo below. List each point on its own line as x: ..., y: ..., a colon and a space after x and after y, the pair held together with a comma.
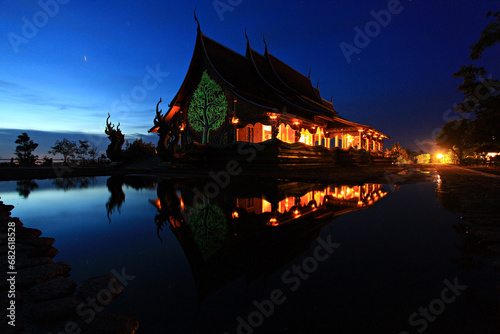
x: 297, y: 135
x: 275, y: 130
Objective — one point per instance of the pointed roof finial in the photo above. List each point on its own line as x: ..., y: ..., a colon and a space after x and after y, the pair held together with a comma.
x: 309, y: 75
x: 331, y: 99
x: 246, y: 36
x: 196, y: 19
x: 317, y: 85
x: 264, y: 38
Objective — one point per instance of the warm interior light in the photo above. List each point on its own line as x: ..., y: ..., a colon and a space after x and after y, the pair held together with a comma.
x: 440, y: 156
x: 235, y: 120
x: 235, y: 215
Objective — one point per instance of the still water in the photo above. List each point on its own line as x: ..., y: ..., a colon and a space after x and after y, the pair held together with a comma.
x: 267, y: 257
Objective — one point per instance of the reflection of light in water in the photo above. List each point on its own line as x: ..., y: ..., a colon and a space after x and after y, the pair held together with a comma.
x: 295, y: 206
x: 273, y: 222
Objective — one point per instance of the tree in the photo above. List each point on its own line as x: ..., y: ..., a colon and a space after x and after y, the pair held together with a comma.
x: 208, y: 107
x: 398, y: 154
x: 480, y: 90
x: 138, y: 148
x: 455, y: 136
x: 82, y: 149
x: 423, y: 158
x: 25, y: 148
x: 489, y: 37
x: 65, y: 147
x: 93, y: 151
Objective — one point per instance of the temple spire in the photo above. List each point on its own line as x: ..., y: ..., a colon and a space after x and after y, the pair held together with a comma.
x: 309, y: 75
x: 246, y: 36
x: 265, y: 43
x: 196, y: 19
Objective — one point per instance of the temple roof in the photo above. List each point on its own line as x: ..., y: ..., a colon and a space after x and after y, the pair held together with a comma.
x: 260, y: 80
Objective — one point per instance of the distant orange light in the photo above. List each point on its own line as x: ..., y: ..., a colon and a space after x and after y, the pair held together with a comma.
x: 235, y: 215
x: 235, y: 120
x: 158, y: 204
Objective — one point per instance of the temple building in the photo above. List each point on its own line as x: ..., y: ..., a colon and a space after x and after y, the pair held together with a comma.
x: 228, y: 97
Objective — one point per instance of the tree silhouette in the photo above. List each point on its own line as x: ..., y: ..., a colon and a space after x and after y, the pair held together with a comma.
x: 208, y: 107
x: 455, y: 136
x: 481, y: 91
x: 25, y: 148
x: 65, y: 147
x: 83, y: 149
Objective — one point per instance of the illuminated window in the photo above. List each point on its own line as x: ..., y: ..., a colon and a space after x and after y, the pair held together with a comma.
x: 267, y: 132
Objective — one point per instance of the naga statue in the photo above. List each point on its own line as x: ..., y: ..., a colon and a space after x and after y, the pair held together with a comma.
x: 169, y: 132
x: 114, y: 151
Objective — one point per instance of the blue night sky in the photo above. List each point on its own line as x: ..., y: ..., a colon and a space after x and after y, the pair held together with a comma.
x: 61, y: 73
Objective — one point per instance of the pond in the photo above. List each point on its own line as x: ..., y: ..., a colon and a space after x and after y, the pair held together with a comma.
x: 266, y: 257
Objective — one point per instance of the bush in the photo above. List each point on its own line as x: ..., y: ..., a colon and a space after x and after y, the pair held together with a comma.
x: 138, y: 148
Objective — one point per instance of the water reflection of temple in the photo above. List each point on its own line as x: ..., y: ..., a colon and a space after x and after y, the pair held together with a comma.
x: 293, y: 207
x: 252, y: 230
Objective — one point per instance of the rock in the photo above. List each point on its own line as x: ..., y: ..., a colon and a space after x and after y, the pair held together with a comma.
x: 27, y: 233
x: 112, y: 324
x: 101, y: 287
x: 4, y: 223
x: 19, y: 248
x: 33, y: 275
x: 40, y: 242
x: 6, y: 208
x: 4, y: 259
x: 55, y: 309
x: 51, y: 289
x: 43, y: 252
x: 33, y: 262
x: 4, y: 214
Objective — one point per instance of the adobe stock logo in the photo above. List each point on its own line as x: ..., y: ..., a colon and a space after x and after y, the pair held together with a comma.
x: 436, y: 307
x: 293, y: 278
x: 29, y: 30
x: 372, y: 29
x: 225, y: 6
